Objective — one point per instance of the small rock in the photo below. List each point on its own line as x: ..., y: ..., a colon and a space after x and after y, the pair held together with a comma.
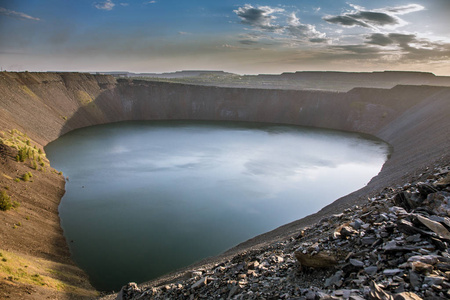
x: 355, y: 297
x: 345, y: 232
x: 427, y: 259
x: 200, y: 283
x: 377, y: 293
x: 232, y: 291
x: 336, y: 279
x: 414, y: 279
x: 320, y: 260
x: 421, y: 267
x: 372, y: 270
x: 196, y: 273
x: 407, y: 296
x: 356, y: 263
x: 310, y: 295
x: 443, y: 266
x: 433, y: 280
x: 425, y: 189
x: 128, y: 291
x: 253, y: 265
x: 436, y: 227
x: 392, y: 272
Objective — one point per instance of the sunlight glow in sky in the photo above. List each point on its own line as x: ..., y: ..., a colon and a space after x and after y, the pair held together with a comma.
x: 245, y: 37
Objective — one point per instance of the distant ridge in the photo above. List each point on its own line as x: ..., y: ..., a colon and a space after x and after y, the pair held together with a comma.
x: 176, y: 74
x: 300, y: 80
x: 399, y: 77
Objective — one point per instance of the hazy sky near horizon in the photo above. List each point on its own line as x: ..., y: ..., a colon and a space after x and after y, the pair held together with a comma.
x: 245, y: 37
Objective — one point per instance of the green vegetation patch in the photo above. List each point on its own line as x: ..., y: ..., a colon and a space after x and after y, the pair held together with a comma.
x: 27, y: 176
x: 40, y: 272
x: 27, y: 150
x: 5, y: 201
x: 29, y: 92
x: 84, y: 97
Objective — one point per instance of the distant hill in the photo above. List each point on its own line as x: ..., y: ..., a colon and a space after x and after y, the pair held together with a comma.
x: 177, y: 74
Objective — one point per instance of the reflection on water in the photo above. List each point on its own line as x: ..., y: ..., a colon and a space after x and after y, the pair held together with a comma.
x: 145, y: 198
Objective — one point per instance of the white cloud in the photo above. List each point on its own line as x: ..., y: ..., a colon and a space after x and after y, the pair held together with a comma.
x: 105, y: 5
x: 406, y: 9
x: 17, y: 15
x: 299, y: 30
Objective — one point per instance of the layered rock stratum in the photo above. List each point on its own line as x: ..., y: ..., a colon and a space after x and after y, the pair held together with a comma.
x: 413, y: 119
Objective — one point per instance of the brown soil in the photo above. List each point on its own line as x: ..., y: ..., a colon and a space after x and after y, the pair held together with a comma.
x: 35, y: 260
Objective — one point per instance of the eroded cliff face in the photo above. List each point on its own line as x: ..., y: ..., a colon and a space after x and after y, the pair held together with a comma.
x: 413, y: 119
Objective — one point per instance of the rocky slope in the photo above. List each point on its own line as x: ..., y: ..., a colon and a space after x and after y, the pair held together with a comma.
x: 413, y: 119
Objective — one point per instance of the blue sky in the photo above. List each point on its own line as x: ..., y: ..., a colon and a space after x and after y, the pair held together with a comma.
x: 245, y: 37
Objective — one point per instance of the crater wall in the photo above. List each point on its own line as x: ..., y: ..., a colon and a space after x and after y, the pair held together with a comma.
x: 413, y: 119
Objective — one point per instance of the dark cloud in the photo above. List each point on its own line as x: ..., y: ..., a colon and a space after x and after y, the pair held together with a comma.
x: 260, y: 17
x: 364, y: 19
x: 409, y: 46
x: 402, y: 40
x: 318, y: 40
x: 358, y: 49
x: 376, y: 18
x: 345, y: 21
x: 373, y: 18
x: 17, y: 15
x: 248, y: 42
x: 379, y: 39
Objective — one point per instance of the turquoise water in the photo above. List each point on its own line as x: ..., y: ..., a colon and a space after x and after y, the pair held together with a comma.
x: 146, y: 198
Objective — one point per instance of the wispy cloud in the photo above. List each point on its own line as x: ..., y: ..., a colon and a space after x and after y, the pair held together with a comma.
x: 373, y: 19
x: 150, y: 2
x: 105, y: 5
x: 17, y: 15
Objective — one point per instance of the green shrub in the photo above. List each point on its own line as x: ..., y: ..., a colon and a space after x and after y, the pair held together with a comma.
x: 5, y: 201
x: 22, y: 154
x: 17, y: 179
x: 26, y: 177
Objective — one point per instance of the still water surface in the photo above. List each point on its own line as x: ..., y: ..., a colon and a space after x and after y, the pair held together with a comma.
x: 146, y: 198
